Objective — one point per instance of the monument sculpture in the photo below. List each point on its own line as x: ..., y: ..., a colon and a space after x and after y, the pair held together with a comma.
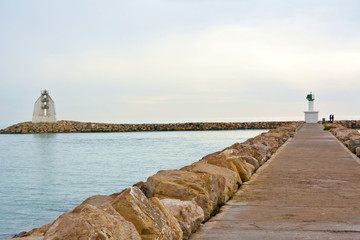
x: 44, y: 108
x: 311, y: 116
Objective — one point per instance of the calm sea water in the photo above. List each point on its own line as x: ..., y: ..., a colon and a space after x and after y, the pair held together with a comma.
x: 45, y: 175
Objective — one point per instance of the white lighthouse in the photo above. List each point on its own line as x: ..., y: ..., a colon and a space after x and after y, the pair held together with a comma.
x: 311, y: 116
x: 44, y: 109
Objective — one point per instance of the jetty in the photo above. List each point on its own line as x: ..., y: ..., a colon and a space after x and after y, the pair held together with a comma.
x: 297, y: 181
x: 309, y: 189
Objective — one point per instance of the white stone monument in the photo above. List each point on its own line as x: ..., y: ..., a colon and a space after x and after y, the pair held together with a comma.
x: 311, y: 116
x: 44, y: 109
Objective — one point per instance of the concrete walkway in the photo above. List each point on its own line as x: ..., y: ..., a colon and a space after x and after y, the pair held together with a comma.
x: 310, y: 189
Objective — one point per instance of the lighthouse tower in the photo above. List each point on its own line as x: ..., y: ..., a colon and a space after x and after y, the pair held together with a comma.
x: 44, y: 109
x: 311, y: 116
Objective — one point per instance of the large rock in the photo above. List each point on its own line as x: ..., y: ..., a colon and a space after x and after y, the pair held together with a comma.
x: 204, y: 188
x: 349, y: 137
x: 342, y: 133
x: 265, y: 145
x: 357, y: 151
x: 224, y: 159
x: 243, y: 150
x: 231, y: 177
x: 281, y: 135
x: 173, y: 222
x: 149, y: 220
x: 98, y: 200
x: 245, y: 169
x: 219, y: 159
x: 188, y: 214
x: 90, y: 222
x: 249, y: 159
x: 354, y: 142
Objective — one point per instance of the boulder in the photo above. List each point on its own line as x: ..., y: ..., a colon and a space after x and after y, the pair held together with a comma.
x: 280, y: 134
x: 226, y: 159
x: 231, y: 182
x: 249, y: 159
x: 90, y: 222
x: 204, y: 188
x: 188, y: 214
x: 244, y: 169
x: 174, y: 223
x: 267, y: 146
x: 342, y: 133
x: 141, y: 185
x: 219, y: 159
x: 98, y: 200
x: 354, y: 142
x: 357, y: 151
x: 249, y: 151
x: 149, y: 220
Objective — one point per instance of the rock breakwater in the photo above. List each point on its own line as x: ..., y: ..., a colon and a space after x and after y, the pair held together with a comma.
x: 73, y: 126
x: 172, y: 203
x: 349, y: 137
x: 349, y: 123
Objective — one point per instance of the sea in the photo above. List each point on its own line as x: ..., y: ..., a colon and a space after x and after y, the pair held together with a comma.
x: 45, y: 175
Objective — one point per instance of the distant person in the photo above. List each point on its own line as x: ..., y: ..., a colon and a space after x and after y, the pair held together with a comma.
x: 330, y: 118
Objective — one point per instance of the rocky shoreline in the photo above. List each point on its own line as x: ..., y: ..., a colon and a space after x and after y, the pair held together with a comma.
x: 171, y: 204
x: 73, y: 126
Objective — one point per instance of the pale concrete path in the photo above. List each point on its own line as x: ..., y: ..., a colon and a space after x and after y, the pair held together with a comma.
x: 310, y: 189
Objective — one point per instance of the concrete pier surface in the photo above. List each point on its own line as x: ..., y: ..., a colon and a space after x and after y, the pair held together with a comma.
x: 310, y: 189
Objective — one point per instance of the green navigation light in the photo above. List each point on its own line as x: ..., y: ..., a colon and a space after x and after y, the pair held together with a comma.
x: 310, y: 97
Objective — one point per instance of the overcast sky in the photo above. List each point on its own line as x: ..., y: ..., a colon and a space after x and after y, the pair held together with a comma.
x: 180, y: 60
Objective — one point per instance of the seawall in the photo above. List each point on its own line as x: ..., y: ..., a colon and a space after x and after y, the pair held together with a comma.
x: 172, y: 203
x: 74, y: 126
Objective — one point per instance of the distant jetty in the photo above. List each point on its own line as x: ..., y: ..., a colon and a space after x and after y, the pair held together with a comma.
x: 73, y: 126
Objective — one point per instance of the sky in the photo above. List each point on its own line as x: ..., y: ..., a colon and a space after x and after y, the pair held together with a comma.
x: 180, y: 60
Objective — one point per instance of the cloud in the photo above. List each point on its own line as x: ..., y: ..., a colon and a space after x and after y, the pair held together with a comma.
x: 222, y: 58
x: 204, y: 59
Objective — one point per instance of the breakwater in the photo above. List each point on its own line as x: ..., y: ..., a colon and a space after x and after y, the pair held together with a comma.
x: 74, y: 126
x: 349, y: 137
x: 349, y: 123
x: 171, y: 204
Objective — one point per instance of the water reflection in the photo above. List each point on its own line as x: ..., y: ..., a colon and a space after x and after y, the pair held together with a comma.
x: 45, y: 146
x: 44, y: 136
